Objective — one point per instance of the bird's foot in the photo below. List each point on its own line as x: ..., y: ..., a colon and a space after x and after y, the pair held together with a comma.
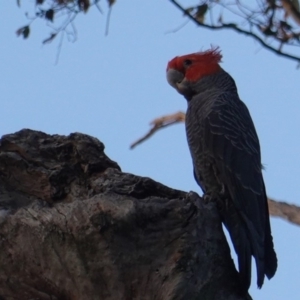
x: 207, y: 198
x: 194, y: 197
x: 214, y: 199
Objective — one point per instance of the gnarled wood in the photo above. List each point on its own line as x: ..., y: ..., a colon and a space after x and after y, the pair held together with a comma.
x: 73, y: 226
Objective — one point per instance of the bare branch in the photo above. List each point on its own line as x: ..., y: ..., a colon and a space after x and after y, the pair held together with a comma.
x: 160, y: 123
x: 285, y: 211
x: 266, y: 26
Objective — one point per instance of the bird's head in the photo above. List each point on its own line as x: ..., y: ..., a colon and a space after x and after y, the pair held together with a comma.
x: 183, y: 71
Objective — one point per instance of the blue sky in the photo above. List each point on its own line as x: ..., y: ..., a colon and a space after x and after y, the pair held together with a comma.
x: 112, y: 86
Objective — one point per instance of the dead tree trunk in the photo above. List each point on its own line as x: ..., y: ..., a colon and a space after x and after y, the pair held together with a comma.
x: 73, y: 226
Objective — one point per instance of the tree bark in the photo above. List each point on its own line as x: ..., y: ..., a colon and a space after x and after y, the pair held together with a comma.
x: 73, y: 226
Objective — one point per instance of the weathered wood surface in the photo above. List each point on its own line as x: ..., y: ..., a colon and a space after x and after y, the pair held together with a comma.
x: 73, y: 226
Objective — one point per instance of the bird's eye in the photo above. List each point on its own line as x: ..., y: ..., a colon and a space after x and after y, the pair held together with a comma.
x: 187, y: 62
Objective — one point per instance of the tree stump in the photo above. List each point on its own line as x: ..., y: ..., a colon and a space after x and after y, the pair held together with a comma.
x: 73, y: 226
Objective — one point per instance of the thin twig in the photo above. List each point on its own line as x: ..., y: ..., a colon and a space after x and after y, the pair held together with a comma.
x: 108, y: 20
x: 178, y: 28
x: 160, y: 123
x: 59, y: 47
x: 98, y: 7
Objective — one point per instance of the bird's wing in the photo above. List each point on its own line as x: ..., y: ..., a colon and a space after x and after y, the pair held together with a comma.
x: 230, y: 136
x: 231, y: 139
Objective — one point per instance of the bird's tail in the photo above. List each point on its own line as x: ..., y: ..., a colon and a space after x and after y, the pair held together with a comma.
x: 257, y: 248
x: 239, y: 237
x: 262, y: 248
x: 270, y: 255
x: 248, y: 242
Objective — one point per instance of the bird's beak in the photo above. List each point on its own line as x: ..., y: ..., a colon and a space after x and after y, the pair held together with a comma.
x: 174, y: 78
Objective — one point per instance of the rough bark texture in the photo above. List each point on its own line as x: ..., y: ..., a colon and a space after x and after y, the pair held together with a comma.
x: 73, y: 226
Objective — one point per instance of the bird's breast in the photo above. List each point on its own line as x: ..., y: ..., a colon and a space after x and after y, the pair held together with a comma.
x: 204, y: 163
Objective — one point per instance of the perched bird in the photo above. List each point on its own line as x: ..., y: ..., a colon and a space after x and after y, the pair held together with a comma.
x: 226, y: 157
